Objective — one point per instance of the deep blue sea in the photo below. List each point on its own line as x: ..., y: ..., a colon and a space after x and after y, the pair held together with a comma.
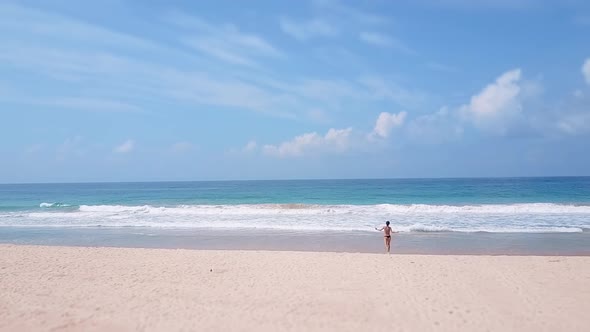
x: 508, y: 205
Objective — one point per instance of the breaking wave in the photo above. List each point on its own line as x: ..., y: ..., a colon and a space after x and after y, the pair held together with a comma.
x: 506, y: 218
x: 53, y: 205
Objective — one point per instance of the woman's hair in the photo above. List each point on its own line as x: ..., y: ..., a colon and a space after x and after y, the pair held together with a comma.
x: 387, y: 223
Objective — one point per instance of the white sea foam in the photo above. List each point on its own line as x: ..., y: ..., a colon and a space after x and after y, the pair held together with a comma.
x: 527, y: 218
x: 529, y: 208
x: 51, y: 205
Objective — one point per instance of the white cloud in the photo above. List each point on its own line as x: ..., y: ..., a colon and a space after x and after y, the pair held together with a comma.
x: 338, y: 138
x: 586, y: 70
x: 304, y: 30
x: 497, y: 96
x: 181, y: 147
x: 385, y: 124
x: 295, y: 147
x: 498, y: 104
x: 125, y: 147
x: 499, y: 108
x: 510, y: 106
x: 250, y: 147
x: 334, y: 141
x: 382, y: 40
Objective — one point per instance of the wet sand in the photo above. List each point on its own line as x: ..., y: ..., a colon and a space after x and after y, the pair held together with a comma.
x: 432, y: 243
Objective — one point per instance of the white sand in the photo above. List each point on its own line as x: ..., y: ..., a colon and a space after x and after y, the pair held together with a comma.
x: 110, y: 289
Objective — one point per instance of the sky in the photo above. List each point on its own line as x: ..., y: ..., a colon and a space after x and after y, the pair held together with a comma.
x: 151, y: 90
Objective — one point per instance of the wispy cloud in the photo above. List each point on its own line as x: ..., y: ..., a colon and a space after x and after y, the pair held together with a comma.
x: 574, y: 123
x: 481, y: 4
x: 328, y: 91
x: 223, y: 41
x: 70, y: 147
x: 382, y: 40
x: 219, y: 51
x: 572, y: 116
x: 182, y: 147
x: 125, y: 147
x: 582, y: 20
x: 50, y: 25
x: 439, y: 127
x: 90, y: 104
x: 586, y: 70
x: 307, y: 29
x: 440, y: 67
x: 375, y: 38
x: 34, y: 148
x: 125, y: 80
x: 382, y: 89
x: 350, y: 13
x: 118, y: 72
x: 250, y: 147
x: 318, y: 115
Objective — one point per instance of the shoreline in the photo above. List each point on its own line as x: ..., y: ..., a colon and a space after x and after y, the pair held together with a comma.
x: 117, y: 289
x: 429, y: 243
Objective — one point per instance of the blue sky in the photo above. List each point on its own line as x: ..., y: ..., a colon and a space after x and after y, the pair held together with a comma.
x: 193, y: 90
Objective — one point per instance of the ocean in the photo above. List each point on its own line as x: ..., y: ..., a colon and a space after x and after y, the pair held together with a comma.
x: 492, y: 205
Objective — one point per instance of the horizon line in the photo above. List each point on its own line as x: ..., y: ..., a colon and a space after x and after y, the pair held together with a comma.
x: 305, y: 179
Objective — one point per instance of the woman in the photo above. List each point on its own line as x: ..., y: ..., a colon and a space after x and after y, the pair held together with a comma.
x: 387, y: 235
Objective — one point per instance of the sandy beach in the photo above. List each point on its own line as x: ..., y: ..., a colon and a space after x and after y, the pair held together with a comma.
x: 115, y: 289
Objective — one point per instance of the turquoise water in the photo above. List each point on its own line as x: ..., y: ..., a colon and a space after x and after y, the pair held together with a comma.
x: 426, y: 205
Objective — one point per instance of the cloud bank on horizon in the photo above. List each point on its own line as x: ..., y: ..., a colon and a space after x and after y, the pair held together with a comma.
x: 315, y: 89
